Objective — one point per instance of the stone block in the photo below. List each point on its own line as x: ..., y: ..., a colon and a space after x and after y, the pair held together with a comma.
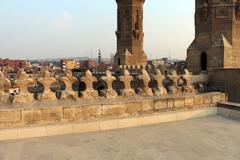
x: 223, y: 97
x: 86, y: 127
x: 52, y: 114
x: 32, y: 116
x: 199, y: 113
x: 72, y: 113
x: 10, y: 116
x: 91, y: 111
x: 207, y: 99
x: 189, y: 101
x: 8, y: 134
x: 147, y: 105
x: 179, y: 102
x: 216, y: 98
x: 128, y: 122
x: 198, y: 100
x: 109, y: 124
x: 183, y: 115
x: 60, y: 129
x: 170, y: 117
x: 37, y: 115
x: 148, y: 120
x: 170, y: 103
x: 112, y: 109
x: 133, y: 107
x: 27, y: 116
x: 160, y: 104
x: 32, y: 132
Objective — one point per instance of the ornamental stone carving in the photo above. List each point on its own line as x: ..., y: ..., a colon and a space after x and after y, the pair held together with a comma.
x: 159, y: 78
x: 187, y: 83
x: 47, y: 81
x: 5, y: 85
x: 145, y: 79
x: 68, y: 80
x: 173, y: 87
x: 127, y: 79
x: 23, y: 82
x: 88, y: 80
x: 108, y: 79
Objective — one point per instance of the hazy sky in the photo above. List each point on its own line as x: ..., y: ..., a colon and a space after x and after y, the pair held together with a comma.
x: 73, y: 28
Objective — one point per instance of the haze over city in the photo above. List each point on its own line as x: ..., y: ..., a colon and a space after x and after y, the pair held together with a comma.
x: 77, y: 28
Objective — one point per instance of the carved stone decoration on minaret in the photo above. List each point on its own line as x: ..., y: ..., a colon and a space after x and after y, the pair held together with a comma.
x: 130, y: 33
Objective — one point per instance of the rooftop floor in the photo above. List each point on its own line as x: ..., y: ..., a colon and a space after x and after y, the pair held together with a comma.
x: 209, y: 138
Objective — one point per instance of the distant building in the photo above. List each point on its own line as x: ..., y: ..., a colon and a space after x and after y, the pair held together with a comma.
x: 14, y: 64
x: 88, y: 64
x: 69, y: 64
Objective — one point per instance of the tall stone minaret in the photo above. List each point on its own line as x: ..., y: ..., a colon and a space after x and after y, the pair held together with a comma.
x: 130, y: 33
x: 217, y: 36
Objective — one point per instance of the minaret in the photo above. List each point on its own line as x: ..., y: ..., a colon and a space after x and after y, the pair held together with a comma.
x: 99, y: 57
x: 217, y: 36
x: 130, y: 33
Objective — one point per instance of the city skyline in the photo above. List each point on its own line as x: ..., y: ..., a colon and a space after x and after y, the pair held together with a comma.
x: 71, y: 28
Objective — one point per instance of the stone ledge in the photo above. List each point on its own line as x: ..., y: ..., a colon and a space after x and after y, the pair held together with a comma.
x: 103, y: 124
x: 229, y: 110
x: 23, y: 117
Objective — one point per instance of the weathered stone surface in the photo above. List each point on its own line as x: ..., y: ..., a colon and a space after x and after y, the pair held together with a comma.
x: 207, y: 99
x: 199, y: 100
x: 189, y: 101
x: 179, y: 102
x: 72, y: 113
x: 47, y: 81
x: 216, y: 98
x: 134, y: 107
x: 10, y: 116
x: 68, y: 80
x: 145, y: 78
x: 91, y: 111
x: 5, y: 85
x: 160, y: 104
x: 52, y: 114
x: 32, y: 116
x: 22, y: 82
x: 88, y: 79
x: 147, y: 105
x: 159, y: 77
x: 108, y: 79
x: 187, y: 86
x: 170, y: 103
x: 113, y: 109
x: 173, y: 87
x: 126, y: 79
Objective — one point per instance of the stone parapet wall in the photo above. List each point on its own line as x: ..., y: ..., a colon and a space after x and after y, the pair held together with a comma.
x: 227, y: 80
x: 29, y: 116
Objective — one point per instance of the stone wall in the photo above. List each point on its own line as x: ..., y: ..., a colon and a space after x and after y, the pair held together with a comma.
x: 227, y: 80
x: 29, y: 116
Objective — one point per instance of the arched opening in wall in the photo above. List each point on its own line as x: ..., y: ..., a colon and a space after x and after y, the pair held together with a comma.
x: 204, y: 61
x: 119, y: 61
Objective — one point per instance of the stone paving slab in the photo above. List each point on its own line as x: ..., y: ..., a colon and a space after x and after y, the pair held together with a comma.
x: 208, y: 138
